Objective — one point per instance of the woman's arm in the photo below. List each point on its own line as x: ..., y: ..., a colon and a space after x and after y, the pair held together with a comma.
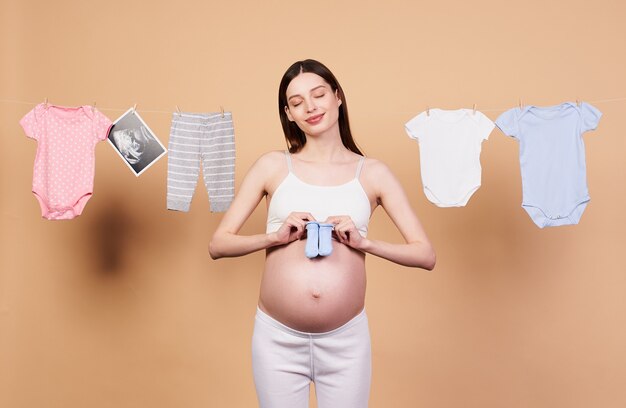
x: 417, y: 251
x: 227, y: 242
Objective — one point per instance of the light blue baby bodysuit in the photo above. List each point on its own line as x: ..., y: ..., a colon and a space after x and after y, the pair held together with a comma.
x: 552, y: 159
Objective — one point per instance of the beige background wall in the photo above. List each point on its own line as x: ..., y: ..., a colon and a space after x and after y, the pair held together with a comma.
x: 122, y: 307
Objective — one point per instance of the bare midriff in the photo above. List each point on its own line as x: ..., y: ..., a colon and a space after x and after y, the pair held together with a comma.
x: 313, y: 295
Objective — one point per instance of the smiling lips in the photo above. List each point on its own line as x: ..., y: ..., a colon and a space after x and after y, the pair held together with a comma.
x: 315, y: 119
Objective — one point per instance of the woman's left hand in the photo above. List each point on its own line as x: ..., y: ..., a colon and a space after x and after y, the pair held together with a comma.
x: 345, y: 231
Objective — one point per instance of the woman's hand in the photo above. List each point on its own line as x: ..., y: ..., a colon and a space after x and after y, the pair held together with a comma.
x: 293, y: 228
x: 345, y: 231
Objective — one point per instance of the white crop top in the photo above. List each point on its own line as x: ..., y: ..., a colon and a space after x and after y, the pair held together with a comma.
x: 293, y: 194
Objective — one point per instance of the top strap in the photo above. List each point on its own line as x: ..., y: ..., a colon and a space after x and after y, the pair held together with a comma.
x: 288, y: 156
x: 359, y: 167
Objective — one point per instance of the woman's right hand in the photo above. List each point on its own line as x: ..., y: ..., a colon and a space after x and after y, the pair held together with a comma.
x: 293, y: 228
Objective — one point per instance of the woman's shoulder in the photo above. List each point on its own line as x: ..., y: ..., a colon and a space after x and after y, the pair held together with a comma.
x: 270, y: 161
x: 375, y: 167
x: 377, y: 177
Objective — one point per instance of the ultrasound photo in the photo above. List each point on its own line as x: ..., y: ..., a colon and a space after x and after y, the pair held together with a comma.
x: 136, y: 144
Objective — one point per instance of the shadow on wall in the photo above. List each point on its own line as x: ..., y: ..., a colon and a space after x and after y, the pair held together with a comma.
x: 125, y: 234
x: 110, y: 232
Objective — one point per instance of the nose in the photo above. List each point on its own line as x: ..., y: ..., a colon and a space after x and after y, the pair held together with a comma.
x: 310, y: 105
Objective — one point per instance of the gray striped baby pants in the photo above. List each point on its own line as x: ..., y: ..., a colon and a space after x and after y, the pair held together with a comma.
x: 207, y: 138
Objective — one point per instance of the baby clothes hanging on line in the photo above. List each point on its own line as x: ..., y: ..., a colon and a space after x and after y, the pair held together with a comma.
x: 552, y: 159
x: 201, y: 137
x: 65, y: 161
x: 450, y: 144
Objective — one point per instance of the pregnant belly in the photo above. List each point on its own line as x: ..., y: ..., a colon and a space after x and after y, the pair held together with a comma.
x: 313, y: 295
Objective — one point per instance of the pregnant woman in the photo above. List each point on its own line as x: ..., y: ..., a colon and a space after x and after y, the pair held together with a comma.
x: 311, y: 325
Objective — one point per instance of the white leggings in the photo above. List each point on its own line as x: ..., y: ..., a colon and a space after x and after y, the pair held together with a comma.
x: 285, y: 361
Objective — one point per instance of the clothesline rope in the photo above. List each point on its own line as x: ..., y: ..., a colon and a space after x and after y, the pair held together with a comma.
x: 170, y: 111
x: 595, y: 101
x: 98, y: 107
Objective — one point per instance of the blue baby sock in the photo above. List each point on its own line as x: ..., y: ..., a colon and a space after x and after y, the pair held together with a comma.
x: 312, y: 229
x: 325, y: 244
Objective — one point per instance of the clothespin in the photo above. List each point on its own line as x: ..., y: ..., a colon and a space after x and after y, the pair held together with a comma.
x: 474, y: 109
x: 45, y: 104
x: 577, y: 102
x: 521, y: 105
x: 428, y: 111
x: 222, y: 110
x: 134, y: 108
x: 178, y: 110
x: 93, y: 107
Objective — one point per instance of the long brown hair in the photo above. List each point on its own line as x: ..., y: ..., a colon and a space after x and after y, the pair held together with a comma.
x: 295, y: 137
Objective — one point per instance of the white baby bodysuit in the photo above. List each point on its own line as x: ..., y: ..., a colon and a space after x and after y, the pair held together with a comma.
x: 450, y: 142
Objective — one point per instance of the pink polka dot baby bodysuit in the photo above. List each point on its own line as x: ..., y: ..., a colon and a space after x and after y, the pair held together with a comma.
x: 65, y: 160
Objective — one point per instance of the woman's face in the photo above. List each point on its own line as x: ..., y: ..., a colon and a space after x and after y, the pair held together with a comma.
x: 312, y: 104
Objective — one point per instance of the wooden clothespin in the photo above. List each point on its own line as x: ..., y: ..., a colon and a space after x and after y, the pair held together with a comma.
x: 474, y: 109
x: 428, y: 111
x: 577, y: 102
x: 521, y: 105
x: 134, y: 108
x: 178, y: 110
x: 93, y: 107
x: 45, y: 104
x: 222, y: 110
